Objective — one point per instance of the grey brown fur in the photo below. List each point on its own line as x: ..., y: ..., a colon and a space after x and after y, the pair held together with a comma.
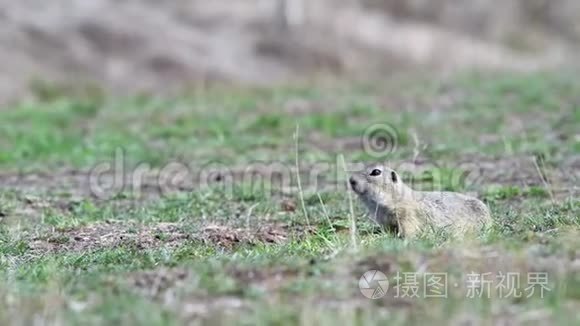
x: 396, y: 206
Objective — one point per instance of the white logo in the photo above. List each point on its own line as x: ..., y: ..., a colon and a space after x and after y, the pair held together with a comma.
x: 373, y: 284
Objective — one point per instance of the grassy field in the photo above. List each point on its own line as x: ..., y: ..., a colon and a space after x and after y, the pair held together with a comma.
x: 168, y: 211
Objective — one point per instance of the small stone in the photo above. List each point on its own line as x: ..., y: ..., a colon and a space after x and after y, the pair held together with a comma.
x: 288, y: 205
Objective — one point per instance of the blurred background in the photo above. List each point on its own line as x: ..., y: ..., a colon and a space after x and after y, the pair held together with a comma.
x: 128, y: 46
x: 182, y: 162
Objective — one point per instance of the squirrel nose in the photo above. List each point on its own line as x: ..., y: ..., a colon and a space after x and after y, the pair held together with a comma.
x: 352, y: 182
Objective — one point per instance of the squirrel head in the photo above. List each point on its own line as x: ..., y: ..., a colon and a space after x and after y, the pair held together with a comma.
x: 379, y: 184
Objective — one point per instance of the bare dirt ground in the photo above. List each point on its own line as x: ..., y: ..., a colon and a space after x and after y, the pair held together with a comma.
x: 112, y: 234
x: 479, y: 169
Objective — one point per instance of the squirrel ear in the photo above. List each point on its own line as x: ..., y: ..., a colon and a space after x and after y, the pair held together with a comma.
x: 394, y: 176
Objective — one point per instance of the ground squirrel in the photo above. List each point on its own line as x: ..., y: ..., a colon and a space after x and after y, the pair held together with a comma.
x: 397, y: 207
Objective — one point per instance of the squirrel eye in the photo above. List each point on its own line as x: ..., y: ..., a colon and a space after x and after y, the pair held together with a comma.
x: 375, y: 172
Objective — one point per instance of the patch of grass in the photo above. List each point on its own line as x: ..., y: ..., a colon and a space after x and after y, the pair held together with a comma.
x: 267, y: 122
x: 124, y: 308
x: 319, y: 265
x: 233, y: 126
x: 536, y: 192
x: 310, y: 272
x: 502, y: 193
x: 512, y: 192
